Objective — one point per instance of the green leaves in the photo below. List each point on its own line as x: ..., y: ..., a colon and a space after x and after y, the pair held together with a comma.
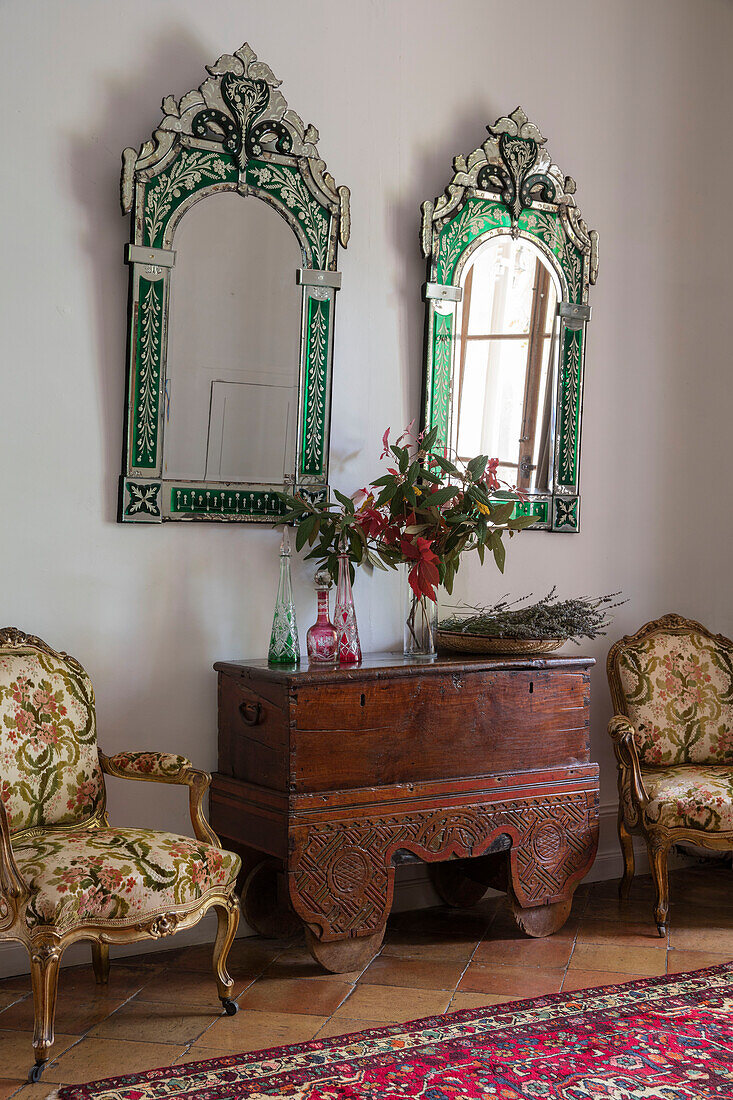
x: 446, y: 505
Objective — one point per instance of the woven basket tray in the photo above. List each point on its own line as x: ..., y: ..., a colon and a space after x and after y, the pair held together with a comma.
x: 475, y: 643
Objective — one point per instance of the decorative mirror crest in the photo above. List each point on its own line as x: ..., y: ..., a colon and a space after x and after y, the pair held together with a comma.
x: 234, y: 133
x: 509, y: 188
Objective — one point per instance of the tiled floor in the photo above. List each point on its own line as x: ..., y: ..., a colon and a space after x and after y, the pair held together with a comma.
x: 162, y: 1009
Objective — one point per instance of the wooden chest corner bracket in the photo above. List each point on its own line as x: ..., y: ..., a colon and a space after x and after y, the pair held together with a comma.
x: 331, y: 840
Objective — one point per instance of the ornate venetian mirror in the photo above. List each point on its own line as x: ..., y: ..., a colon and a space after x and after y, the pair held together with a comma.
x: 510, y: 261
x: 231, y: 316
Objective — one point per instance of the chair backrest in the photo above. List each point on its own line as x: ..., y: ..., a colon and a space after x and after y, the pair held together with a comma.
x: 49, y: 766
x: 673, y: 680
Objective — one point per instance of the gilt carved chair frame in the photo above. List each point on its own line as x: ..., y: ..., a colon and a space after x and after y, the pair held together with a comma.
x: 633, y: 797
x: 46, y: 944
x: 234, y: 133
x: 509, y: 185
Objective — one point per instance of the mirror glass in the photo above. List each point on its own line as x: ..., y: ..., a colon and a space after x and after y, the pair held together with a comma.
x: 502, y: 394
x: 231, y: 396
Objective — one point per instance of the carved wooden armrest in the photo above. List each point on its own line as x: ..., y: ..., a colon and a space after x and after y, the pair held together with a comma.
x: 13, y: 888
x: 166, y: 767
x: 622, y: 733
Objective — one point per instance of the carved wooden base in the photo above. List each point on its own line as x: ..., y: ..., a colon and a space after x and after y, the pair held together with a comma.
x: 541, y: 920
x: 264, y: 907
x: 342, y: 956
x: 341, y: 877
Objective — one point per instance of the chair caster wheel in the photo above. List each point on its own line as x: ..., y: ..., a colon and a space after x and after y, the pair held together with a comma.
x: 230, y: 1007
x: 34, y: 1075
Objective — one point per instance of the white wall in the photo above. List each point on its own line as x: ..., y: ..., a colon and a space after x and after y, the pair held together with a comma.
x: 634, y: 97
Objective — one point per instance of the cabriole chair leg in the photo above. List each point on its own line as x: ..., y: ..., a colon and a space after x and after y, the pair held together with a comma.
x: 627, y: 848
x: 228, y: 921
x: 658, y: 850
x: 100, y: 962
x: 45, y: 959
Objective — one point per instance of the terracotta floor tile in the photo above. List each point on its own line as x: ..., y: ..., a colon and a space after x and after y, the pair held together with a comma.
x: 186, y: 987
x: 394, y: 1003
x: 626, y: 933
x: 621, y: 960
x: 297, y: 962
x: 166, y: 1023
x: 92, y: 1059
x: 695, y: 935
x: 642, y: 888
x: 8, y: 1087
x: 254, y: 1031
x: 462, y: 1001
x: 23, y: 1091
x: 248, y: 957
x: 550, y: 952
x: 589, y: 979
x: 16, y: 1051
x: 516, y: 982
x: 300, y: 995
x: 39, y: 1091
x: 74, y: 1016
x: 679, y: 960
x: 413, y: 973
x: 614, y: 909
x: 506, y: 928
x: 342, y: 1025
x: 430, y: 947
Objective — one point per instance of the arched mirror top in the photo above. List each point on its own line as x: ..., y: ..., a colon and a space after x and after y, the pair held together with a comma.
x: 234, y: 134
x: 509, y: 264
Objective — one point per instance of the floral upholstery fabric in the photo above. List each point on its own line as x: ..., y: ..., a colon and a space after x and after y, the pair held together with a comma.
x: 163, y: 764
x: 690, y: 797
x: 116, y: 874
x: 679, y: 695
x: 49, y: 767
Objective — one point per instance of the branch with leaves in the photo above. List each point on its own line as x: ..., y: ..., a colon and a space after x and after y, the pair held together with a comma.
x: 425, y: 511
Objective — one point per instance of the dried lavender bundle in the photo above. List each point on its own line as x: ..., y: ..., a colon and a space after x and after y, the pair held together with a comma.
x: 550, y: 617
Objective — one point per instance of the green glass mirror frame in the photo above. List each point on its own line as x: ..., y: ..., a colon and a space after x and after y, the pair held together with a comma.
x: 509, y: 185
x: 234, y: 133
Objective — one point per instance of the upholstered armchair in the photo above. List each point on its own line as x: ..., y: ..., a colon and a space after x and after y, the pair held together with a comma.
x: 672, y: 690
x: 65, y: 873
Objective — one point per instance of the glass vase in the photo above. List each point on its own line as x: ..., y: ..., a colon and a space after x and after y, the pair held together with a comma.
x: 349, y: 646
x: 322, y: 639
x: 421, y: 622
x: 284, y: 645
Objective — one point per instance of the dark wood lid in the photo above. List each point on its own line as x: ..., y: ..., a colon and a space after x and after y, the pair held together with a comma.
x: 376, y: 665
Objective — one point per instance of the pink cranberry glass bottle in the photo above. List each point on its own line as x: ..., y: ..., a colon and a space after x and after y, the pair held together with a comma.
x: 322, y: 639
x: 345, y: 615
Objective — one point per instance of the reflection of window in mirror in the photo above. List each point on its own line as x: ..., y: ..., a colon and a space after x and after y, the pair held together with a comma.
x: 233, y: 344
x: 502, y: 393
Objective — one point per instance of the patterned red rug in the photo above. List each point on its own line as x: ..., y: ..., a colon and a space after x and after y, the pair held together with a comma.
x: 658, y: 1039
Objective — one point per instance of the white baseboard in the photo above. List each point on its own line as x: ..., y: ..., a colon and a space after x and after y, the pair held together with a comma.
x: 412, y: 891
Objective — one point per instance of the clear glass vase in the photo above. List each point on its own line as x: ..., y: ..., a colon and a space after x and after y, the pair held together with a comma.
x: 284, y: 645
x: 344, y: 616
x: 421, y: 621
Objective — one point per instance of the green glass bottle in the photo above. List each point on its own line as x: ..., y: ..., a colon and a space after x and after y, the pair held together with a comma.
x: 284, y: 644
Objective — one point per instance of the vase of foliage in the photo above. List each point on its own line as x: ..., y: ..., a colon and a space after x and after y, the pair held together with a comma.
x: 420, y: 632
x: 423, y: 513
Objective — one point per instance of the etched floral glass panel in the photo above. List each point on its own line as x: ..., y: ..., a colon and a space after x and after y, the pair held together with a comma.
x: 504, y: 361
x: 231, y: 397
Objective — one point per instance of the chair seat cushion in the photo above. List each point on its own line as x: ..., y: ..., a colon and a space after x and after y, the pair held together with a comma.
x: 116, y: 874
x: 690, y: 796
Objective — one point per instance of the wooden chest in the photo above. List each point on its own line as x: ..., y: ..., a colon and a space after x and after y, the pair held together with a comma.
x: 478, y: 766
